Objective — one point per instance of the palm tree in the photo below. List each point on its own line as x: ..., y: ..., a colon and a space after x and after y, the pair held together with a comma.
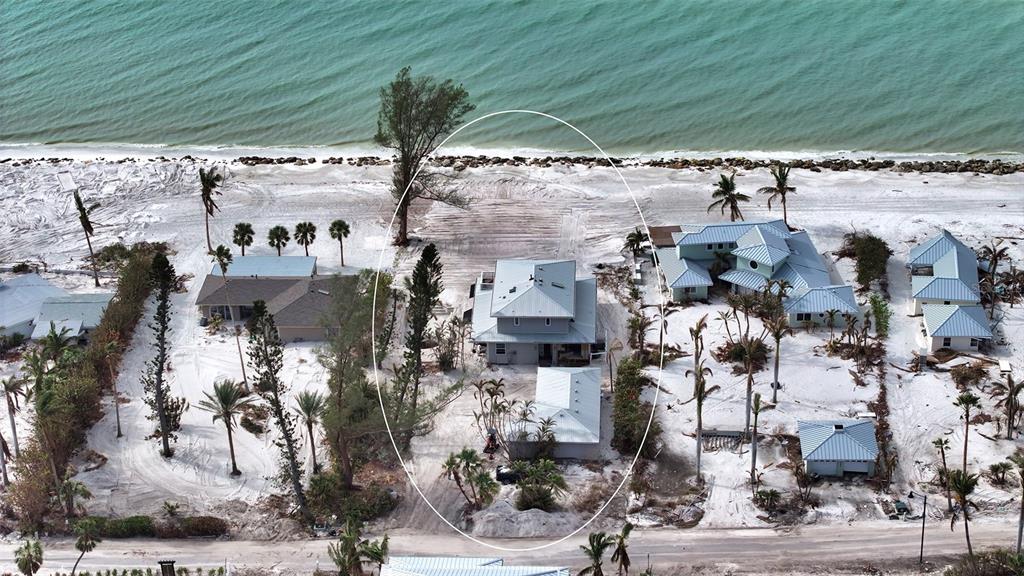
x: 46, y: 405
x: 55, y: 343
x: 598, y: 544
x: 697, y: 335
x: 725, y: 318
x: 243, y: 235
x: 352, y: 550
x: 111, y: 350
x: 1009, y: 394
x: 339, y: 230
x: 778, y: 328
x: 13, y: 387
x: 1018, y: 460
x: 635, y: 241
x: 37, y: 365
x: 963, y: 484
x: 749, y: 346
x: 662, y: 319
x: 71, y: 489
x: 994, y: 252
x: 701, y: 392
x: 278, y: 238
x: 452, y: 468
x: 942, y: 445
x: 305, y: 233
x: 639, y: 324
x: 87, y: 227
x: 5, y: 453
x: 29, y: 557
x: 227, y: 401
x: 966, y: 401
x: 209, y: 181
x: 830, y: 321
x: 376, y: 552
x: 88, y: 534
x: 756, y: 409
x: 311, y: 406
x: 621, y: 555
x: 726, y: 196
x: 222, y: 255
x: 779, y: 191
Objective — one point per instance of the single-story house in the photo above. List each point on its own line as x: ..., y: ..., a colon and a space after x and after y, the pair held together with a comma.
x: 462, y: 566
x: 943, y: 271
x: 955, y: 327
x: 813, y: 305
x: 21, y: 297
x: 835, y: 447
x: 535, y: 312
x: 269, y: 267
x: 571, y: 397
x: 298, y: 305
x: 80, y: 314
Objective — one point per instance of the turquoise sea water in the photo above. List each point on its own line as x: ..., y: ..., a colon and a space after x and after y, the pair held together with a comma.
x: 910, y: 76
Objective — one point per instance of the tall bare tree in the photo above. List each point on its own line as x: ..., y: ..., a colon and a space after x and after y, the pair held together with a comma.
x: 209, y: 181
x: 87, y: 227
x: 222, y: 256
x: 416, y: 114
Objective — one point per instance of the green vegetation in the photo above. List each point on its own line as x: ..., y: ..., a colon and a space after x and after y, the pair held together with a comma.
x: 209, y: 181
x: 243, y: 235
x: 339, y: 230
x: 474, y: 481
x: 87, y: 227
x: 305, y: 234
x: 871, y: 254
x: 726, y: 196
x: 166, y: 410
x: 882, y: 313
x: 540, y: 484
x: 278, y: 238
x: 630, y: 414
x: 780, y: 190
x: 227, y: 401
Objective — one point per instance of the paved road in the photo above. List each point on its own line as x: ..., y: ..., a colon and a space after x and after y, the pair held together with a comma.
x: 741, y: 549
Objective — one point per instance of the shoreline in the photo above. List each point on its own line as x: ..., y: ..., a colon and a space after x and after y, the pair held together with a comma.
x: 459, y: 158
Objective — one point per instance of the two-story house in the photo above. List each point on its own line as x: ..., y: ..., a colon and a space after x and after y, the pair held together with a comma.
x: 535, y: 312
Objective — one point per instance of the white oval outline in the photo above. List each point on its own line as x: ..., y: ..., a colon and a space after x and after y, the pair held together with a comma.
x: 373, y: 337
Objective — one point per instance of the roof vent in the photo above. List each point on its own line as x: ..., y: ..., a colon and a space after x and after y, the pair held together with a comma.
x: 558, y: 285
x: 512, y: 290
x: 837, y: 427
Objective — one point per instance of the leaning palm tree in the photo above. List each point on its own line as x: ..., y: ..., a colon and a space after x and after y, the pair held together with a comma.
x: 69, y: 491
x: 620, y: 555
x: 994, y: 253
x: 779, y: 191
x: 966, y: 401
x: 305, y: 234
x: 243, y: 235
x: 222, y: 256
x: 227, y: 401
x: 963, y: 484
x: 278, y: 238
x: 778, y: 328
x: 635, y: 241
x: 311, y: 406
x: 87, y: 227
x: 1009, y: 400
x: 13, y: 388
x: 942, y: 445
x: 339, y: 230
x: 376, y: 552
x: 209, y: 181
x: 88, y: 533
x: 726, y: 196
x: 598, y: 544
x: 1017, y: 459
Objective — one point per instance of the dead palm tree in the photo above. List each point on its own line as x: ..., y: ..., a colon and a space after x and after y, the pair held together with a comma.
x: 778, y: 328
x: 209, y: 181
x: 1009, y: 400
x: 620, y: 555
x: 756, y: 408
x: 227, y: 401
x: 13, y: 388
x: 942, y: 445
x: 661, y: 318
x: 701, y: 392
x: 222, y: 256
x: 966, y: 401
x: 87, y: 227
x: 697, y: 335
x: 725, y: 318
x: 311, y: 406
x: 962, y: 485
x: 5, y: 454
x: 305, y: 234
x: 780, y: 190
x: 243, y: 235
x: 339, y: 230
x: 830, y: 321
x: 749, y: 346
x: 278, y: 238
x: 726, y: 196
x: 597, y: 544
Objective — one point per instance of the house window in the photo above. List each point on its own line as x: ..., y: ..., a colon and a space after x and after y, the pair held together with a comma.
x: 711, y: 246
x: 499, y: 349
x: 689, y: 290
x: 515, y: 321
x: 947, y: 342
x: 974, y: 342
x: 753, y: 265
x: 802, y: 317
x: 547, y: 321
x: 720, y: 245
x: 946, y: 302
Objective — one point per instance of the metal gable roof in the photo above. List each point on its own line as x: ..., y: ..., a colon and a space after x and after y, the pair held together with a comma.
x: 931, y: 250
x: 459, y: 566
x: 681, y: 272
x: 21, y: 298
x: 572, y: 397
x: 533, y: 288
x: 822, y: 299
x: 953, y: 321
x: 762, y: 254
x: 582, y: 325
x: 744, y: 278
x: 693, y: 234
x: 269, y: 267
x: 75, y: 311
x: 936, y: 288
x: 838, y: 440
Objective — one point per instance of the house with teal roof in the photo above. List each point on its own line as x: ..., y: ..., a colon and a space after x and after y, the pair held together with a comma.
x: 838, y: 447
x: 749, y: 255
x: 955, y: 327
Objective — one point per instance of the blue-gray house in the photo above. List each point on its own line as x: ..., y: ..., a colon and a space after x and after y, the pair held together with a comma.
x: 835, y: 447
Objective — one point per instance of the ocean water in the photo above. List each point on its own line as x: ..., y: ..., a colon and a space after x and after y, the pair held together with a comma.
x: 918, y: 76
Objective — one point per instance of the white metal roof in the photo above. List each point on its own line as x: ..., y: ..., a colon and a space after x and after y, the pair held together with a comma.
x: 582, y: 325
x: 838, y: 440
x: 21, y: 298
x: 462, y: 566
x: 74, y: 312
x: 572, y: 398
x: 268, y: 267
x: 953, y: 321
x: 822, y: 299
x: 533, y: 288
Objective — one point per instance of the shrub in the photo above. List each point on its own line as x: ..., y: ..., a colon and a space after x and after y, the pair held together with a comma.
x: 21, y: 268
x: 871, y: 253
x: 540, y: 483
x: 966, y: 375
x: 129, y: 527
x: 204, y: 526
x: 29, y: 494
x: 327, y: 496
x: 882, y: 313
x: 254, y: 418
x: 630, y: 413
x: 10, y: 342
x: 999, y: 562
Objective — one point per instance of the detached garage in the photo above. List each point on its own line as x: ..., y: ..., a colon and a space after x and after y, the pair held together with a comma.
x: 835, y: 447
